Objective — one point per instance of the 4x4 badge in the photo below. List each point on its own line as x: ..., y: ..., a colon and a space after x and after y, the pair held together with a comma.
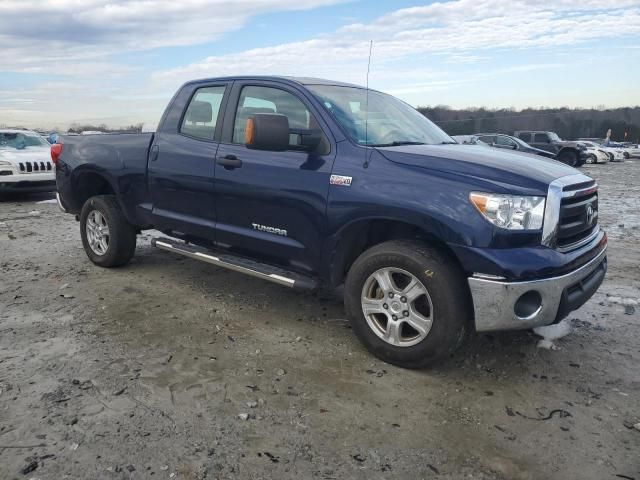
x: 340, y: 180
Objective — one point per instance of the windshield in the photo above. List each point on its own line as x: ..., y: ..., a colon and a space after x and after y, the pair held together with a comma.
x: 20, y: 141
x: 389, y: 121
x: 521, y: 142
x: 554, y: 137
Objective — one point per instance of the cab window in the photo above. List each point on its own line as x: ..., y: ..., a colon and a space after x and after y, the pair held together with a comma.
x: 202, y: 113
x: 255, y: 99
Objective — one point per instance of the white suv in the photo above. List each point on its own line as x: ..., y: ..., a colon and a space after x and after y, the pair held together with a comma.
x: 25, y: 162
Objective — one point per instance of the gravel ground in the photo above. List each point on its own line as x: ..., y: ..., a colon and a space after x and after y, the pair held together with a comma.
x: 171, y: 368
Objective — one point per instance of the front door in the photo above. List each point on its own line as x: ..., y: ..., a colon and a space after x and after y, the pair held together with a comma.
x: 181, y: 167
x: 272, y: 204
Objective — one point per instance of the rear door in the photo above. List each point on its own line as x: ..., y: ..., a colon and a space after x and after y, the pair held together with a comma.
x: 543, y: 142
x: 272, y: 205
x: 181, y: 162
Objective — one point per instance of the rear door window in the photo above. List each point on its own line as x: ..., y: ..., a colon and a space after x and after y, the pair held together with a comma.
x: 201, y: 116
x: 540, y: 138
x: 526, y: 137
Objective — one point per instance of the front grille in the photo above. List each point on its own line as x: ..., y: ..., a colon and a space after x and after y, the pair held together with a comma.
x: 31, y: 167
x: 578, y: 214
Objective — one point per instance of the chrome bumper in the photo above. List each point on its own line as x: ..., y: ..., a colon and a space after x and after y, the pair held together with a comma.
x: 495, y: 302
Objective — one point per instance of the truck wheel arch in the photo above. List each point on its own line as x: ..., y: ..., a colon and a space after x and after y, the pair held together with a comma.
x: 356, y: 237
x: 88, y: 184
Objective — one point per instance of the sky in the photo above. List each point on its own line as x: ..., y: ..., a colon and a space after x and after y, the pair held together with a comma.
x: 119, y: 62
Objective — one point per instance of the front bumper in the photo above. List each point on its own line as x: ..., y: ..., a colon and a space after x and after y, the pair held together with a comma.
x: 28, y: 182
x: 503, y: 305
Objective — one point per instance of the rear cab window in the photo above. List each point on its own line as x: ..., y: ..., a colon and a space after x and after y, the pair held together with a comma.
x: 201, y: 116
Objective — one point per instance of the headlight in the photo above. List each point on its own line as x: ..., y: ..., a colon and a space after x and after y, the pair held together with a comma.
x: 510, y: 211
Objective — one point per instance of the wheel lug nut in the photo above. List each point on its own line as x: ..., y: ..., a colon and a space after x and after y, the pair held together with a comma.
x: 390, y: 294
x: 405, y: 313
x: 403, y: 299
x: 394, y: 317
x: 385, y: 306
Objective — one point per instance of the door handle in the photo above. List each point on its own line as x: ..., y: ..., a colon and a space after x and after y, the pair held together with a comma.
x: 230, y: 162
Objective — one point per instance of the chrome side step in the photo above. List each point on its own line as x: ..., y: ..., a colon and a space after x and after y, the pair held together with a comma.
x: 238, y: 264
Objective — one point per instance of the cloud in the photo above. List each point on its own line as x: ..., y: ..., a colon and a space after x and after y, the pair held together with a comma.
x: 461, y: 29
x: 34, y: 31
x: 441, y: 46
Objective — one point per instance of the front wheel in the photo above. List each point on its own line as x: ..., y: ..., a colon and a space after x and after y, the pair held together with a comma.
x: 408, y: 303
x: 109, y: 240
x: 569, y: 157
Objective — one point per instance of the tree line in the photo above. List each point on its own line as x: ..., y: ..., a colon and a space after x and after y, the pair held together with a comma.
x: 78, y: 128
x: 566, y: 122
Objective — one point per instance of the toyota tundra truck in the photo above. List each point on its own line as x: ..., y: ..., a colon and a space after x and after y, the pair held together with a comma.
x: 318, y: 184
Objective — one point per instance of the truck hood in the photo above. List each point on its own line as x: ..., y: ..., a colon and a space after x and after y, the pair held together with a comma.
x: 504, y: 169
x: 29, y: 154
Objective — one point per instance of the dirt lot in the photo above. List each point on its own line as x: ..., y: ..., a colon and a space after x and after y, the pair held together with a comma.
x: 170, y: 368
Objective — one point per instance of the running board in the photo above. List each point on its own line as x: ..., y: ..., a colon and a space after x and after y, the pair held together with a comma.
x: 238, y: 264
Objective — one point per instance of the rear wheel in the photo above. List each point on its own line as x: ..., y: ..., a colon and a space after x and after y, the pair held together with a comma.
x: 408, y: 303
x: 108, y: 239
x: 569, y: 157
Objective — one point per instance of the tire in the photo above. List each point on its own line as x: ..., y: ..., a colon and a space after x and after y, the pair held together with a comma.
x: 591, y: 159
x: 120, y: 241
x: 569, y: 157
x: 626, y: 155
x: 447, y: 301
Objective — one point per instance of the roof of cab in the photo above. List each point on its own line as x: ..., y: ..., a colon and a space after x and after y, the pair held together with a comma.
x: 285, y: 79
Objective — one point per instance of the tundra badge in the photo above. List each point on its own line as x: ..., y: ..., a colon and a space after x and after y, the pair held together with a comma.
x: 340, y: 180
x: 265, y: 228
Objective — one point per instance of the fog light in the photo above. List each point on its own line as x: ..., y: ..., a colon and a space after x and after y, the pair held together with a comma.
x: 528, y: 305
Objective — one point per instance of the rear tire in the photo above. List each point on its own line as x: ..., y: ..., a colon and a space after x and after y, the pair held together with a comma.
x: 438, y: 292
x: 109, y: 240
x: 569, y: 157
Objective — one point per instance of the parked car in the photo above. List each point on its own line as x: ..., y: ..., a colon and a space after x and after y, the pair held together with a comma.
x: 629, y: 149
x: 25, y: 162
x: 611, y: 154
x: 287, y: 180
x: 469, y: 140
x: 573, y: 154
x: 507, y: 142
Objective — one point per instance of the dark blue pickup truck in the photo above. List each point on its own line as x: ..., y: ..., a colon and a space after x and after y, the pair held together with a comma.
x: 317, y: 184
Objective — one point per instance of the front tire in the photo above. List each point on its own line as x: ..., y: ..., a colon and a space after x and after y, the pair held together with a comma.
x: 569, y: 157
x: 109, y: 240
x: 408, y: 303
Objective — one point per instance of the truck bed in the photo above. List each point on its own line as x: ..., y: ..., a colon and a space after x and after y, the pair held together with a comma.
x: 121, y: 158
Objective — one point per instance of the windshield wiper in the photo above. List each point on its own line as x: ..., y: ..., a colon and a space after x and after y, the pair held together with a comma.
x: 397, y: 143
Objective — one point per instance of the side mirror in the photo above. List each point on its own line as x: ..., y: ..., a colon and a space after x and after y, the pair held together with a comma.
x: 267, y: 131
